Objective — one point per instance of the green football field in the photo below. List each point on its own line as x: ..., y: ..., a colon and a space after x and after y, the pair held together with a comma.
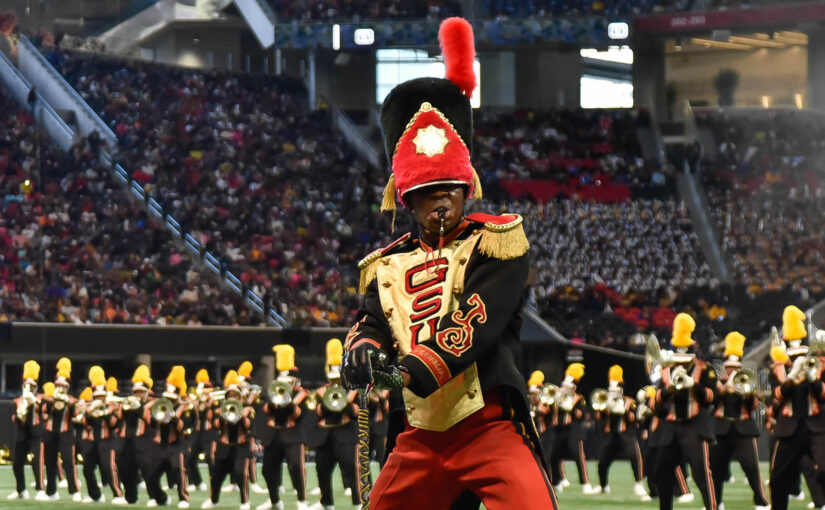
x: 737, y: 494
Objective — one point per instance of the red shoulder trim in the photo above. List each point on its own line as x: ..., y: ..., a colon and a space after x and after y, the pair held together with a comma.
x: 492, y: 218
x: 395, y: 243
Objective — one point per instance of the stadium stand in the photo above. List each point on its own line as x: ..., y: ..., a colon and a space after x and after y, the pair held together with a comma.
x: 76, y: 249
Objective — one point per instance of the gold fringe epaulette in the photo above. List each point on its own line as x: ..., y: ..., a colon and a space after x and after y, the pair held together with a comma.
x: 369, y: 264
x: 369, y: 269
x: 504, y: 242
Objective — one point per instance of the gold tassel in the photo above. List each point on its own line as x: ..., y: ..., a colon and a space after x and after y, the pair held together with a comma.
x: 388, y: 203
x: 368, y: 274
x: 504, y: 245
x: 476, y: 186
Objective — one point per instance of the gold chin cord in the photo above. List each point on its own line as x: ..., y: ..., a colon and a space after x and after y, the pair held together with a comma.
x: 440, y: 233
x: 364, y: 448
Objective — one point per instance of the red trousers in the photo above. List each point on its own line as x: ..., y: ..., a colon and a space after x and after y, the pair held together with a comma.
x: 484, y: 453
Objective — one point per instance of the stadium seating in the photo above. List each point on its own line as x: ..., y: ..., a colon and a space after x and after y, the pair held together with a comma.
x: 75, y: 249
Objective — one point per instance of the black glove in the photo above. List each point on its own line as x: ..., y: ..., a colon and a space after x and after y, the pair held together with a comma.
x: 356, y: 367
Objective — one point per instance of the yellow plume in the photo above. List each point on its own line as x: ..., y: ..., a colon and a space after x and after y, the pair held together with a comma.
x: 111, y: 385
x: 735, y: 344
x: 202, y: 376
x: 86, y: 394
x: 615, y: 373
x: 142, y: 375
x: 96, y: 376
x: 48, y: 389
x: 245, y: 370
x: 335, y: 351
x: 177, y: 378
x: 575, y: 370
x: 31, y: 370
x: 683, y: 326
x: 284, y: 357
x: 64, y: 366
x: 231, y: 379
x: 536, y: 378
x: 793, y: 323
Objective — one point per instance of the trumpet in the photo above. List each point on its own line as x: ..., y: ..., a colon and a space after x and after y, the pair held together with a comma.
x: 680, y: 379
x: 61, y: 398
x: 656, y: 359
x: 98, y: 409
x: 598, y: 399
x: 129, y: 403
x: 27, y: 399
x: 643, y: 411
x: 232, y: 410
x: 280, y: 391
x: 804, y: 368
x: 335, y: 399
x: 163, y: 410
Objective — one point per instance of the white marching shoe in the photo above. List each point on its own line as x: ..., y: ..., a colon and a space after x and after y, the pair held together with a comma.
x: 588, y: 489
x: 565, y: 482
x: 281, y: 489
x: 301, y: 505
x: 63, y: 484
x: 202, y: 487
x: 720, y: 506
x: 208, y: 504
x: 183, y: 504
x: 228, y: 488
x: 77, y: 497
x: 119, y: 501
x: 18, y: 495
x: 257, y: 489
x: 244, y: 506
x: 797, y: 497
x: 319, y: 506
x: 41, y: 496
x: 315, y: 491
x: 191, y: 488
x: 639, y: 489
x: 686, y: 498
x: 348, y: 492
x: 558, y: 488
x: 762, y: 507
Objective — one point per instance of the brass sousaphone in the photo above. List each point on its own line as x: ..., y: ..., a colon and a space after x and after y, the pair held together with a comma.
x: 280, y: 392
x: 232, y: 410
x: 335, y: 398
x: 163, y: 410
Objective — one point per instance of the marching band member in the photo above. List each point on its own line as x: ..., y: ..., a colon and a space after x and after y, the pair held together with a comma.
x: 133, y: 432
x: 568, y: 414
x: 736, y: 430
x: 110, y: 446
x: 201, y: 433
x: 163, y: 415
x: 338, y: 416
x: 251, y: 396
x: 27, y: 418
x: 689, y: 386
x: 800, y: 444
x: 539, y: 411
x: 86, y: 446
x: 618, y: 417
x: 59, y: 434
x: 232, y: 453
x: 446, y: 305
x: 102, y: 420
x: 282, y: 439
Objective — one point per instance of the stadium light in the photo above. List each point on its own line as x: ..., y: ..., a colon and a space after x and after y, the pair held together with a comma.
x: 336, y: 37
x: 364, y: 36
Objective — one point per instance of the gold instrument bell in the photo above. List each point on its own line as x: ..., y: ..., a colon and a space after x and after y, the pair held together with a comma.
x: 280, y: 392
x: 232, y: 410
x: 335, y: 398
x: 744, y: 382
x: 549, y: 394
x: 598, y: 399
x: 163, y: 410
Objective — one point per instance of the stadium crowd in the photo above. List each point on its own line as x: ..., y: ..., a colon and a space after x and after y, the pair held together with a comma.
x: 76, y: 249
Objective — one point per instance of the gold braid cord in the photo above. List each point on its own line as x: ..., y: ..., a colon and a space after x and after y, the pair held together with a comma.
x: 364, y: 453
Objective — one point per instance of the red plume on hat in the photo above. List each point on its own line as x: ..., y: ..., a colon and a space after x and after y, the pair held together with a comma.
x: 428, y: 122
x: 458, y: 49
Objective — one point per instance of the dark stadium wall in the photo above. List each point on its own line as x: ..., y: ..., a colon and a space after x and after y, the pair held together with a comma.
x: 547, y: 79
x: 198, y: 46
x: 649, y: 75
x: 816, y: 69
x: 346, y: 79
x: 498, y: 75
